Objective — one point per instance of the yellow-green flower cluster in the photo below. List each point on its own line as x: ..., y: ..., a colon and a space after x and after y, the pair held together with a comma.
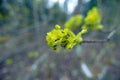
x: 74, y: 22
x: 63, y: 38
x: 66, y: 38
x: 93, y: 20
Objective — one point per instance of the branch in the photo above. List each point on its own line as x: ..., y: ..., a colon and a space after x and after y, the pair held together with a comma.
x: 104, y: 40
x: 94, y: 41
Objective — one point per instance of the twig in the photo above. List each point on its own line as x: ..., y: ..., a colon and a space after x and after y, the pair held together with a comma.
x: 94, y: 41
x: 104, y: 40
x: 103, y: 73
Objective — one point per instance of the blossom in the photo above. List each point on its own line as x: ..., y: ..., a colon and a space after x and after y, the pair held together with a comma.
x: 93, y: 20
x: 63, y: 38
x: 74, y: 22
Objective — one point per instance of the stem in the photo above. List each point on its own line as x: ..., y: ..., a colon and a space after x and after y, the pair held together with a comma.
x: 94, y: 41
x: 104, y: 40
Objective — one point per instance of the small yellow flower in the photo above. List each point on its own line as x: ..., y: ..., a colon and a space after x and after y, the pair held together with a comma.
x: 93, y: 17
x: 93, y: 20
x: 74, y: 22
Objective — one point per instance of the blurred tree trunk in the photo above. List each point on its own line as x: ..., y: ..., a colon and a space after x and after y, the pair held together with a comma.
x: 66, y: 6
x: 36, y: 20
x: 83, y: 7
x: 77, y: 9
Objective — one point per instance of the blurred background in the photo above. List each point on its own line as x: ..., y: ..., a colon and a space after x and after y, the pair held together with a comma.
x: 25, y: 55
